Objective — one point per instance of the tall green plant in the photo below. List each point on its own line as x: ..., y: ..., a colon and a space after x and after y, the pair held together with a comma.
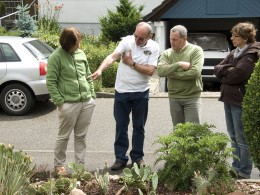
x: 191, y: 148
x: 121, y: 22
x: 16, y: 168
x: 96, y: 53
x: 49, y: 14
x: 251, y: 114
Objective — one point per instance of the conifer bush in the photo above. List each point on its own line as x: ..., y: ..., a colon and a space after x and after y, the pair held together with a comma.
x: 251, y: 114
x: 25, y: 24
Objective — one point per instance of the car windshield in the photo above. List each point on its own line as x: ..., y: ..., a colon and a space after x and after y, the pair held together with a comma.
x: 39, y: 49
x: 209, y: 42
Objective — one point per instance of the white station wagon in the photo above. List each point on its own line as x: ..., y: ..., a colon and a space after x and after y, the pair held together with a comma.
x: 23, y: 66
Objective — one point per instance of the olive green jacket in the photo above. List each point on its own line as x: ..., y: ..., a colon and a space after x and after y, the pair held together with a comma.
x: 182, y: 83
x: 67, y: 77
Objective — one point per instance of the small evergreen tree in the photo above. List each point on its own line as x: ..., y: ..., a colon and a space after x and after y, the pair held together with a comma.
x: 251, y: 114
x: 121, y: 22
x: 25, y: 24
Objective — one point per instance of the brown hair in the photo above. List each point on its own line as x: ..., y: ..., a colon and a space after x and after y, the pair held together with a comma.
x: 69, y: 38
x: 246, y: 30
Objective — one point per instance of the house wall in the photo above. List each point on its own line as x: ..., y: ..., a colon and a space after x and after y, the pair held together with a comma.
x: 85, y: 14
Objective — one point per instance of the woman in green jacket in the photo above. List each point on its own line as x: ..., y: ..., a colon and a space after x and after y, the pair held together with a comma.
x: 73, y: 93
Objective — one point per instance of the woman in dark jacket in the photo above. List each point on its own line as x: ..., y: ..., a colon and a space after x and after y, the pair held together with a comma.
x: 234, y: 72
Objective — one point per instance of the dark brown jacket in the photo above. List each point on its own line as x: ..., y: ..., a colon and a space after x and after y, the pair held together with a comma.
x: 234, y: 73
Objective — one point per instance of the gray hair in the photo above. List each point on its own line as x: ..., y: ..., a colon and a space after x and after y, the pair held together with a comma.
x: 148, y: 26
x: 181, y: 29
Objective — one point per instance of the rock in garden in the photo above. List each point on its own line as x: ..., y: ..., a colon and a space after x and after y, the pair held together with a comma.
x: 77, y: 192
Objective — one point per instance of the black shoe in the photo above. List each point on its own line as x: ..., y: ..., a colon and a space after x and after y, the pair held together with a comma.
x: 139, y: 163
x: 118, y: 165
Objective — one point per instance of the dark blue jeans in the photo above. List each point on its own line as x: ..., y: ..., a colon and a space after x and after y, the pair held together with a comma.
x: 235, y: 129
x: 125, y: 103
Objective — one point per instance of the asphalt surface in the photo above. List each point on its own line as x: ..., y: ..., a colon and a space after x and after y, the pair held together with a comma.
x: 36, y: 132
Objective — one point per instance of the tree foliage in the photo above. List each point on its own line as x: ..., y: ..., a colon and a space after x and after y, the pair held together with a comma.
x: 251, y: 114
x: 121, y: 22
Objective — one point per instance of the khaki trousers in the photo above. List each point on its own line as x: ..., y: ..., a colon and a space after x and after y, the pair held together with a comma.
x: 77, y: 117
x: 185, y: 110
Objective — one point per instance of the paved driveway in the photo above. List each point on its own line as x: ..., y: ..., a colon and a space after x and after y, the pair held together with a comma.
x: 36, y: 132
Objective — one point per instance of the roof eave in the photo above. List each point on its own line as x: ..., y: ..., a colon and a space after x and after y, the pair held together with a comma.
x: 158, y: 11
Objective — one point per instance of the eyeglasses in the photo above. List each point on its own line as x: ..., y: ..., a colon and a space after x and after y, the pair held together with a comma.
x: 139, y: 38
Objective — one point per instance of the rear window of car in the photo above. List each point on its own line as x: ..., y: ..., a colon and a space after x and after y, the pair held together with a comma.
x: 39, y: 49
x: 209, y: 42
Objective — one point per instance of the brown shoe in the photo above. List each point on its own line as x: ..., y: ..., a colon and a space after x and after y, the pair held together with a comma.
x: 118, y: 165
x: 60, y: 170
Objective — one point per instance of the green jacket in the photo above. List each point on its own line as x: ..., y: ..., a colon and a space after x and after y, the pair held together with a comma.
x: 181, y: 83
x: 67, y: 77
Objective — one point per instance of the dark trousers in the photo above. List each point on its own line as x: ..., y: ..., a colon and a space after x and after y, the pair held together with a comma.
x: 125, y: 103
x: 235, y: 129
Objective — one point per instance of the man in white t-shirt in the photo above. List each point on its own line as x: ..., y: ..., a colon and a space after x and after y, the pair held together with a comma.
x: 139, y: 54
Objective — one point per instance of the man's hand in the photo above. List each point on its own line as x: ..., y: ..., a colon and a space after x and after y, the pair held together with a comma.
x: 184, y: 65
x: 96, y: 74
x: 127, y: 58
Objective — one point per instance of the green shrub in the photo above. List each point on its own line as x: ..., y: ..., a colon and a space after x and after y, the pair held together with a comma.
x: 50, y: 39
x: 5, y: 32
x: 16, y: 168
x: 96, y: 53
x: 251, y: 114
x: 191, y: 148
x: 109, y: 76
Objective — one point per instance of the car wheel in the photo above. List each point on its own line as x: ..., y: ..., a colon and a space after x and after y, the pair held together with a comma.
x: 16, y: 99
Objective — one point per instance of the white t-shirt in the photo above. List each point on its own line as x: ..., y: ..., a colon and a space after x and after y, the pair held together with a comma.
x: 128, y: 79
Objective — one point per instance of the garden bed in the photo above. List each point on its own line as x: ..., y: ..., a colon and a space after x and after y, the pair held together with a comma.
x: 248, y: 186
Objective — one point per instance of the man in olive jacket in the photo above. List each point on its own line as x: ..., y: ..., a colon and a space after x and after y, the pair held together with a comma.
x: 182, y: 65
